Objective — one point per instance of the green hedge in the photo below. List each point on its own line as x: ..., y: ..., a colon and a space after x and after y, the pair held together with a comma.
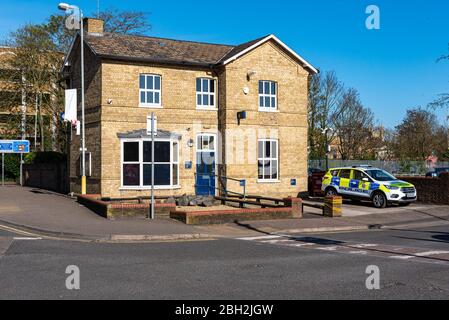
x: 12, y: 166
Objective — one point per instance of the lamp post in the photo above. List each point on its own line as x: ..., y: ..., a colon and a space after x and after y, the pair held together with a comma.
x: 66, y: 7
x: 325, y: 131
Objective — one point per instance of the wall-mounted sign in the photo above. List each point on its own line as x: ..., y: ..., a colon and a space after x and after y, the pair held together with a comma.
x: 293, y: 182
x: 188, y: 165
x: 14, y: 146
x: 149, y: 128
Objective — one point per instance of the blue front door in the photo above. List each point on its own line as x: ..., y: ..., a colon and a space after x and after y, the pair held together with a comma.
x: 205, y: 165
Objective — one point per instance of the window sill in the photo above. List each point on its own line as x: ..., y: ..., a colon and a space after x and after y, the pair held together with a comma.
x: 206, y: 108
x: 268, y: 181
x: 149, y: 106
x: 149, y: 188
x: 268, y: 110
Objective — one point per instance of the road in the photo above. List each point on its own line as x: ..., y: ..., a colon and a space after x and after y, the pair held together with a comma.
x: 265, y: 268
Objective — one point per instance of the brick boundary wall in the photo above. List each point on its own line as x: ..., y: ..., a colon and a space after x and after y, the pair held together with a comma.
x: 292, y: 210
x: 431, y: 190
x: 118, y: 210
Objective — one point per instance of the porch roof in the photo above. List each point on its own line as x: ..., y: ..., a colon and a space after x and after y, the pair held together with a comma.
x: 142, y: 134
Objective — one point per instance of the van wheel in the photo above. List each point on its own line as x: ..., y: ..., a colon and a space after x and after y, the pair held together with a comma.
x: 330, y: 192
x: 379, y: 200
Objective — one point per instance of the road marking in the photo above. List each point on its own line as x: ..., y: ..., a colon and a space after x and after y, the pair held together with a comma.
x: 26, y: 239
x: 358, y: 252
x: 431, y: 253
x: 401, y: 257
x: 328, y: 248
x: 378, y: 250
x: 365, y: 245
x: 299, y: 245
x: 260, y: 238
x: 276, y: 241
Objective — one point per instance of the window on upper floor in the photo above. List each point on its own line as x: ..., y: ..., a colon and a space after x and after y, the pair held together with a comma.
x: 205, y: 93
x: 267, y: 96
x: 150, y: 90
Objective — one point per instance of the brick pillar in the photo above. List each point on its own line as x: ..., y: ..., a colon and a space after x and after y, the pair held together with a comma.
x: 332, y: 206
x: 296, y: 205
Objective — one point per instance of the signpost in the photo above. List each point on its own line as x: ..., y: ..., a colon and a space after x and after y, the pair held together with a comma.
x: 13, y: 146
x: 152, y: 129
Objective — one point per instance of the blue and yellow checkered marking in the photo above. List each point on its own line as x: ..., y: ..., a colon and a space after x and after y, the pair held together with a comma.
x: 335, y: 181
x: 374, y: 186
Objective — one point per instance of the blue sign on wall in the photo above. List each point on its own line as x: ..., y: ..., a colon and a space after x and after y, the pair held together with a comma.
x: 188, y: 165
x: 14, y: 146
x: 293, y: 182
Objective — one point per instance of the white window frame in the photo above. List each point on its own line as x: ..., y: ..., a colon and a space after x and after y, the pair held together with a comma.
x: 208, y: 93
x: 154, y: 91
x: 271, y: 159
x: 269, y: 95
x: 141, y: 163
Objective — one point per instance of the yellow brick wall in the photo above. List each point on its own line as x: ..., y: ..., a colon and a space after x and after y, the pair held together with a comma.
x: 288, y: 125
x: 178, y: 115
x: 114, y: 99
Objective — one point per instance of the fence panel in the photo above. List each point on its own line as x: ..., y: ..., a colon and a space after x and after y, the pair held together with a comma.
x: 413, y: 168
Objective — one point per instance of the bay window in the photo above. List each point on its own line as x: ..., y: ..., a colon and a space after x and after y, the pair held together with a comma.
x: 136, y: 163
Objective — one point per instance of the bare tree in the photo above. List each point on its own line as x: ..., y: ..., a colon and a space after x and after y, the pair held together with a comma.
x: 354, y: 128
x: 125, y: 22
x: 325, y: 93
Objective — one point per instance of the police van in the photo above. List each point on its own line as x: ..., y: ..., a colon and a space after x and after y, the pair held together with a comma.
x: 368, y: 183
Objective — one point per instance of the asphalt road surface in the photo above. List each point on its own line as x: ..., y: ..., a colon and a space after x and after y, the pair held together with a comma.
x: 413, y: 264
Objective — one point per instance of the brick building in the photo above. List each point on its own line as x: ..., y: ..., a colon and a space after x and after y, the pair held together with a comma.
x: 233, y: 111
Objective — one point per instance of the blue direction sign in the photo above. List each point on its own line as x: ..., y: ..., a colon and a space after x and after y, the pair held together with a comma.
x: 14, y: 146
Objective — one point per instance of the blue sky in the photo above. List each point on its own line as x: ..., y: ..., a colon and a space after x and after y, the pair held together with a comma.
x: 393, y: 68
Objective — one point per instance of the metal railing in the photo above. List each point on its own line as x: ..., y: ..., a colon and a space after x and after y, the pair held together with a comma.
x: 413, y: 168
x: 222, y: 180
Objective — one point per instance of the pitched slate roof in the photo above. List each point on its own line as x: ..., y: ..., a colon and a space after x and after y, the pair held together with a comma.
x: 142, y: 133
x: 170, y: 51
x: 156, y: 49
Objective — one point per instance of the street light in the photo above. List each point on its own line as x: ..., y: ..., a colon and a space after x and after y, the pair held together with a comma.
x: 325, y: 131
x: 65, y: 7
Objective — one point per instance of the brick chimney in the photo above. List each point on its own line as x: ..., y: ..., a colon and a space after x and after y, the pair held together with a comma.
x: 93, y: 25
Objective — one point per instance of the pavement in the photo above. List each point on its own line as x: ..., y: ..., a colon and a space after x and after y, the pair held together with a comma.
x: 36, y: 212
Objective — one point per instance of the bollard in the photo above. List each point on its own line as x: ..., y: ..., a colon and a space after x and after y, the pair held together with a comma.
x: 332, y: 206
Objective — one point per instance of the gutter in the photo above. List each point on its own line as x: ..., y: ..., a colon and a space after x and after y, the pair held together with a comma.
x: 152, y: 60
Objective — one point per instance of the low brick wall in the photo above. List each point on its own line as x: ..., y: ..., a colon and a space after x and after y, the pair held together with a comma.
x: 293, y: 209
x: 431, y: 190
x: 119, y: 210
